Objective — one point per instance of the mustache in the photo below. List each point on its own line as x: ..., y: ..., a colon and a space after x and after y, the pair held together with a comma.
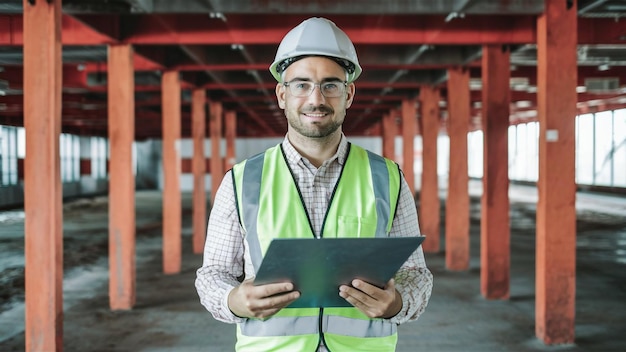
x: 318, y: 109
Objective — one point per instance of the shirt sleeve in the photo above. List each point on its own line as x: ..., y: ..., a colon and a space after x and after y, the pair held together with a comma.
x: 413, y: 281
x: 223, y: 261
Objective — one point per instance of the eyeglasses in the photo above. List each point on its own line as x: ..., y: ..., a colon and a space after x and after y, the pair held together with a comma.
x: 302, y: 89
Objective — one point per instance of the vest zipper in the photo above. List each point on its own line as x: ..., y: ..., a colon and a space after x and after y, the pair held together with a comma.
x: 322, y: 340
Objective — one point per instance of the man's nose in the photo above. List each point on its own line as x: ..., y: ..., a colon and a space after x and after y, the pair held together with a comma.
x: 316, y: 97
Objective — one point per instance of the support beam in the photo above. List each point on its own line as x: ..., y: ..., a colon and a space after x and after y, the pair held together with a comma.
x: 121, y: 126
x: 172, y: 207
x: 198, y: 130
x: 409, y: 129
x: 215, y: 126
x: 457, y: 205
x: 494, y: 226
x: 556, y: 209
x: 389, y: 134
x: 429, y: 191
x: 231, y: 136
x: 43, y: 225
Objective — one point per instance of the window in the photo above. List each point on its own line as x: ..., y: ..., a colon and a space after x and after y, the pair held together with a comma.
x: 603, y: 161
x: 619, y: 148
x: 8, y: 156
x: 514, y: 167
x: 98, y: 157
x: 532, y: 143
x: 69, y: 149
x: 522, y: 151
x: 600, y: 150
x: 475, y: 154
x: 584, y: 149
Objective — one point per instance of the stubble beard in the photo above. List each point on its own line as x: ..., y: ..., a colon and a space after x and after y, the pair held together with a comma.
x: 315, y: 129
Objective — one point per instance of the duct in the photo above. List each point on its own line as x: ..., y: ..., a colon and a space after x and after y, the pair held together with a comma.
x: 590, y: 6
x: 458, y: 11
x: 11, y: 6
x: 364, y: 6
x: 71, y: 54
x: 96, y: 6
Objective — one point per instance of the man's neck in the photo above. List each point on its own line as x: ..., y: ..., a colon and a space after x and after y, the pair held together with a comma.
x: 316, y: 150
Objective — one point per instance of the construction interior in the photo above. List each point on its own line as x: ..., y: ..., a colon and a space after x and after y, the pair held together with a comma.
x: 118, y: 119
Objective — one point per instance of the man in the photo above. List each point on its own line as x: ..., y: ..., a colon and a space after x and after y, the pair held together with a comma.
x: 307, y: 186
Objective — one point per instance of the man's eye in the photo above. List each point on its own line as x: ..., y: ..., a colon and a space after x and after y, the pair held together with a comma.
x: 301, y: 85
x: 330, y: 86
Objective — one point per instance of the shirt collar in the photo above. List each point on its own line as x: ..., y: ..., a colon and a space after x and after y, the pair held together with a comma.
x: 293, y: 157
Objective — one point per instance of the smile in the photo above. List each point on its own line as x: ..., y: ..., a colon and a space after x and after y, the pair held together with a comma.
x: 315, y: 115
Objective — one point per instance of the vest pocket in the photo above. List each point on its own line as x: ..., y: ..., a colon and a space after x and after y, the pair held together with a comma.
x: 354, y: 226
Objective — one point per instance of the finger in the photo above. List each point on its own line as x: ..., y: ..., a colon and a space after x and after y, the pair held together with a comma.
x: 281, y: 300
x: 385, y: 294
x: 272, y: 296
x: 370, y: 299
x: 269, y: 290
x: 354, y: 296
x: 261, y: 301
x: 359, y: 300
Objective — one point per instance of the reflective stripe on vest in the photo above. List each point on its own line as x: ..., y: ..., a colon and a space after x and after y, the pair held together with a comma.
x: 288, y: 326
x: 269, y: 202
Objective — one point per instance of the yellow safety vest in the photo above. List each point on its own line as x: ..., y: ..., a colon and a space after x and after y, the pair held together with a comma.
x: 270, y: 206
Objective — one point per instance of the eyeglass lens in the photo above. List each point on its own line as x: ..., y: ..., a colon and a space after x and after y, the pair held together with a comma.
x: 305, y: 88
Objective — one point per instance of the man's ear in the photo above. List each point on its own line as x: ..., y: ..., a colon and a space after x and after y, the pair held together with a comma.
x: 280, y: 95
x: 351, y: 90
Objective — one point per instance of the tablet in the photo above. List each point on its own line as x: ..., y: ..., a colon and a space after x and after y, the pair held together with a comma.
x: 317, y: 267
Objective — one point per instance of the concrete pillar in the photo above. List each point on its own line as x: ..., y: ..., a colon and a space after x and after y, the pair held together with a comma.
x: 121, y: 129
x: 429, y: 191
x: 198, y: 128
x: 409, y: 129
x: 494, y: 226
x: 389, y: 134
x: 172, y: 206
x: 215, y: 130
x: 43, y: 225
x: 556, y: 209
x: 231, y: 136
x: 457, y: 204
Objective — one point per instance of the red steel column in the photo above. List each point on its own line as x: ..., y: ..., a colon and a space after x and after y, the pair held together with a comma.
x: 556, y: 212
x: 389, y: 134
x: 429, y: 191
x: 215, y: 130
x: 409, y: 129
x: 457, y: 204
x: 494, y: 228
x: 43, y: 225
x: 172, y: 206
x: 198, y: 116
x: 121, y: 108
x: 231, y: 137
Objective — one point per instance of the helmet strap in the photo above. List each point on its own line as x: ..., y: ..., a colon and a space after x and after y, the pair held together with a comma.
x: 347, y: 65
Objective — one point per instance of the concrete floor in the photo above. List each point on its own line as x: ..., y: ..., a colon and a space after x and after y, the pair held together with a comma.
x: 169, y: 317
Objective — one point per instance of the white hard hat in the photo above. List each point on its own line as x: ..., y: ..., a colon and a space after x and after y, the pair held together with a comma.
x: 316, y: 37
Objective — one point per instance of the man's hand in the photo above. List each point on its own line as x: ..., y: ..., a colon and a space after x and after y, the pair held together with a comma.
x: 371, y: 300
x: 263, y: 301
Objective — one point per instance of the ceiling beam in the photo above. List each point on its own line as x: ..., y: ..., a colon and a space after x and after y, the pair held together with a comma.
x: 411, y: 30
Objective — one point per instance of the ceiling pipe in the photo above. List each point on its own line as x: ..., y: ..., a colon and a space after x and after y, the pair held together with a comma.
x: 410, y: 59
x: 195, y: 56
x: 590, y: 6
x: 458, y: 12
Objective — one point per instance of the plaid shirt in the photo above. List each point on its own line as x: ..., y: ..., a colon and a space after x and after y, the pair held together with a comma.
x: 225, y: 249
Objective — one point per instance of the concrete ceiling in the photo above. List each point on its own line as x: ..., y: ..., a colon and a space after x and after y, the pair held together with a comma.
x: 226, y: 47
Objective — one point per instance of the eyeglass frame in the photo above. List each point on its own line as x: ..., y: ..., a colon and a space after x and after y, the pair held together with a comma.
x: 319, y: 85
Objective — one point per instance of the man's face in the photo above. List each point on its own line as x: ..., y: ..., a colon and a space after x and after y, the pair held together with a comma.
x: 314, y: 116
